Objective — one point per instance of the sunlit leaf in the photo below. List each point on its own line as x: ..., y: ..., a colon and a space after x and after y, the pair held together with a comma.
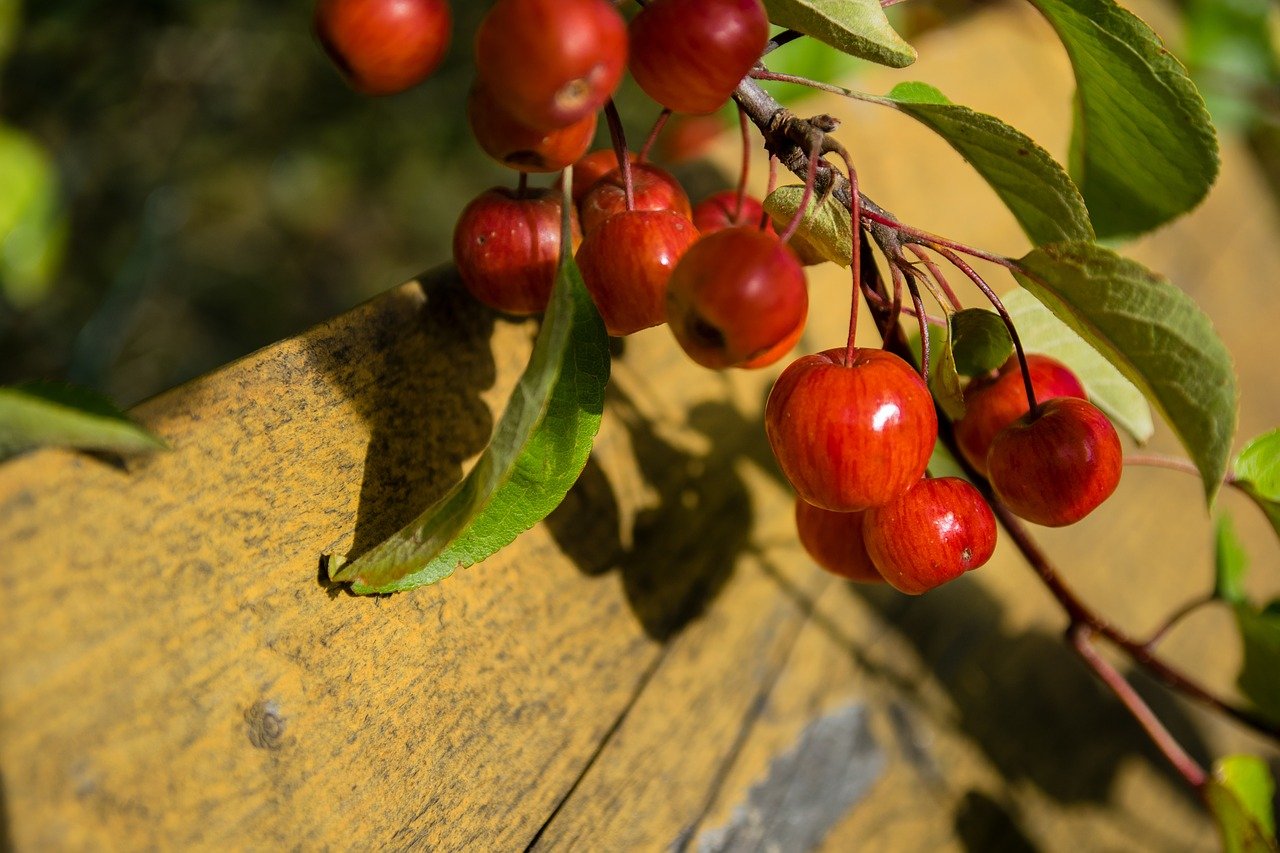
x: 1257, y: 469
x: 856, y: 27
x: 539, y: 448
x: 1143, y: 148
x: 1230, y: 563
x: 43, y: 414
x: 1239, y: 793
x: 823, y: 233
x: 1043, y: 333
x: 1035, y: 188
x: 1154, y: 334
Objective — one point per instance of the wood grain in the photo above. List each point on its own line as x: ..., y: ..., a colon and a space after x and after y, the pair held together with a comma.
x: 634, y: 672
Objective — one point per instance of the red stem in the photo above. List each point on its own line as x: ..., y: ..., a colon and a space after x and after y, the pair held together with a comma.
x: 658, y: 125
x: 855, y: 260
x: 937, y: 275
x: 620, y: 150
x: 805, y: 197
x: 1079, y: 635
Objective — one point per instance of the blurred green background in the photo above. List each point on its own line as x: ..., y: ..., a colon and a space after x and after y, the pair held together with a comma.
x: 181, y: 183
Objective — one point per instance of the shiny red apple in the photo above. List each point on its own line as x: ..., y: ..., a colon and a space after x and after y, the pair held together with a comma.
x: 994, y: 402
x: 851, y: 436
x: 652, y: 188
x: 934, y: 532
x: 519, y: 146
x: 1057, y: 464
x: 384, y: 46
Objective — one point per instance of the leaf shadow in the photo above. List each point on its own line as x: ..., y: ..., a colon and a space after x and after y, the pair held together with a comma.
x: 415, y: 375
x: 1025, y: 699
x: 683, y: 547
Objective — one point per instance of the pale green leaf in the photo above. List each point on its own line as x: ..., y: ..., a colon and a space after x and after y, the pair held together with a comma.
x: 1035, y: 188
x: 43, y: 414
x: 944, y: 381
x: 856, y: 27
x: 1230, y: 52
x: 32, y: 232
x: 980, y: 341
x: 824, y: 232
x: 1144, y: 149
x: 1260, y: 636
x: 1154, y: 334
x: 1239, y: 793
x: 1230, y: 563
x: 539, y: 448
x: 1042, y: 332
x: 1257, y: 469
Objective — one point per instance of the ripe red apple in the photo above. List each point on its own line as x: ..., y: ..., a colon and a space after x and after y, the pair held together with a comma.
x: 651, y: 189
x: 834, y: 541
x: 626, y: 262
x: 850, y: 436
x: 735, y: 296
x: 384, y: 46
x: 994, y: 402
x: 934, y: 532
x: 506, y: 248
x: 719, y: 211
x: 1055, y: 465
x: 551, y: 62
x: 518, y: 146
x: 689, y: 55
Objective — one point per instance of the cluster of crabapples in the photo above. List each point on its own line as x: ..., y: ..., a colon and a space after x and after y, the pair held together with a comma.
x: 853, y: 428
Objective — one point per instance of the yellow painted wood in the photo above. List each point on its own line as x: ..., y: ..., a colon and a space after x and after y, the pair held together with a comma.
x: 623, y: 677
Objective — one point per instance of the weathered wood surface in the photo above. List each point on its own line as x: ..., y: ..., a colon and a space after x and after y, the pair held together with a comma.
x: 658, y: 664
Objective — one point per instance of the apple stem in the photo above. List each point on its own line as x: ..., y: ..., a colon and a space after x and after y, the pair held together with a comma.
x: 880, y: 302
x: 1079, y: 636
x: 620, y: 150
x: 1177, y: 616
x: 937, y: 275
x: 914, y: 289
x: 960, y: 264
x: 814, y: 150
x: 745, y: 127
x: 855, y: 255
x: 769, y: 188
x: 659, y: 123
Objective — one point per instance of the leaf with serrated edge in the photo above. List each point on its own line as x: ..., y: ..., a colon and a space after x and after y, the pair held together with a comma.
x: 42, y: 414
x: 856, y: 27
x: 1239, y: 793
x: 1260, y: 635
x: 823, y: 233
x: 539, y: 448
x: 1154, y: 334
x: 1230, y: 563
x: 980, y: 341
x: 1035, y: 188
x: 1043, y: 333
x: 1143, y: 146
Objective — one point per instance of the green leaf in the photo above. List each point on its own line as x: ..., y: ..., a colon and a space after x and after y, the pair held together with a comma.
x: 539, y: 448
x: 1257, y: 470
x: 980, y: 341
x: 856, y: 27
x: 1042, y: 332
x: 1154, y: 334
x: 1143, y: 144
x: 9, y: 22
x: 1035, y: 188
x: 1230, y: 563
x: 1259, y: 465
x: 46, y: 414
x: 1260, y: 635
x: 1239, y: 793
x: 944, y: 381
x: 1229, y: 49
x: 32, y: 232
x: 824, y: 232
